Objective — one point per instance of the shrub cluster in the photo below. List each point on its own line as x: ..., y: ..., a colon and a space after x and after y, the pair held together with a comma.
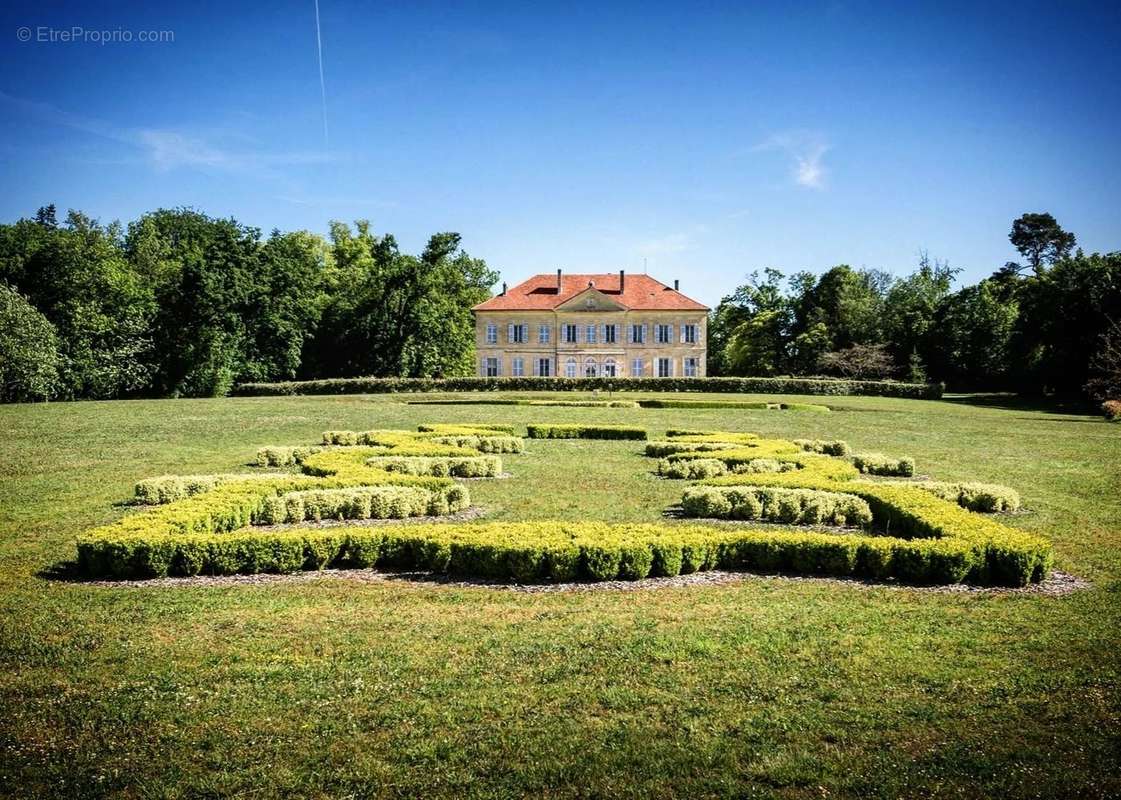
x: 699, y: 468
x: 660, y: 449
x: 811, y: 386
x: 776, y: 504
x: 471, y: 429
x: 879, y: 464
x: 987, y: 498
x: 550, y: 431
x: 367, y: 502
x: 828, y: 447
x: 944, y: 542
x: 540, y: 551
x: 442, y: 467
x: 1112, y: 410
x: 169, y: 488
x: 283, y: 456
x: 484, y: 444
x: 515, y: 401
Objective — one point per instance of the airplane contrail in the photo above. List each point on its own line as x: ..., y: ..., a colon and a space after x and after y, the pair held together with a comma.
x: 322, y: 83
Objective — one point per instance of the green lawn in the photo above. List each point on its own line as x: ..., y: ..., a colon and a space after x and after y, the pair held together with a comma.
x: 340, y: 688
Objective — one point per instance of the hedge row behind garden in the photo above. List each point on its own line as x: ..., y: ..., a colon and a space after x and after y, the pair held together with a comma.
x: 814, y: 386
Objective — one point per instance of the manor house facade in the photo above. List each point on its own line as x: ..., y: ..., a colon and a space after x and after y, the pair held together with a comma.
x: 591, y: 325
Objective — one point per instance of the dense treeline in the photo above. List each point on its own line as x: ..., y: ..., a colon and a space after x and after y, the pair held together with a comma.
x: 1044, y: 325
x: 182, y: 304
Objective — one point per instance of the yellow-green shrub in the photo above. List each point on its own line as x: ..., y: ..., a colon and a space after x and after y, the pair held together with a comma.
x: 828, y: 447
x: 484, y: 444
x: 459, y: 467
x: 692, y: 469
x: 986, y: 498
x: 879, y: 464
x: 543, y: 431
x: 168, y: 488
x: 283, y: 456
x: 776, y: 504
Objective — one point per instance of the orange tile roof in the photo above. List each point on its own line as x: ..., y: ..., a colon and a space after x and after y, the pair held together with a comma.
x: 639, y: 292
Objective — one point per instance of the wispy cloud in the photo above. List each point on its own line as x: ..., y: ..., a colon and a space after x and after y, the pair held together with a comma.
x: 166, y: 149
x: 807, y: 151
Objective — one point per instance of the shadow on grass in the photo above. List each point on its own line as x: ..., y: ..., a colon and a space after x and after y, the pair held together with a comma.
x: 63, y: 571
x: 1016, y: 402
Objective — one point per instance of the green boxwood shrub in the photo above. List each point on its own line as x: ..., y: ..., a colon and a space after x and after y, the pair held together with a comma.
x: 664, y: 448
x: 484, y: 444
x: 444, y: 467
x: 283, y: 456
x: 986, y: 498
x: 548, y: 431
x: 694, y: 469
x: 879, y: 464
x: 776, y: 504
x: 369, y: 502
x: 169, y: 488
x: 828, y: 447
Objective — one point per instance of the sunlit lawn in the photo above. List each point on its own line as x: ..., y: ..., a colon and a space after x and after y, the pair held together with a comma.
x: 768, y: 687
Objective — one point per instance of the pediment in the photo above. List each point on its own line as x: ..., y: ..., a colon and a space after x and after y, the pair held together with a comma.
x: 591, y: 299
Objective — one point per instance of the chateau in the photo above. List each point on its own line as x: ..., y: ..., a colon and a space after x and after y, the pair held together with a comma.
x: 591, y: 325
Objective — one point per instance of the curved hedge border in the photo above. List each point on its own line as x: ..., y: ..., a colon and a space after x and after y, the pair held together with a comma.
x: 757, y: 405
x: 920, y: 537
x: 815, y: 386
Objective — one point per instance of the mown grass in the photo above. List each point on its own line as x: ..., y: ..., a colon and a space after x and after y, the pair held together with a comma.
x: 769, y: 687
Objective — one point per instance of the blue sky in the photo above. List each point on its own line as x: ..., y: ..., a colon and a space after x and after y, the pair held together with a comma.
x: 708, y: 139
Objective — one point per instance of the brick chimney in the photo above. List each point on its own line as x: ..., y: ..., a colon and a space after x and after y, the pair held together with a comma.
x: 558, y: 280
x: 621, y: 279
x: 676, y: 283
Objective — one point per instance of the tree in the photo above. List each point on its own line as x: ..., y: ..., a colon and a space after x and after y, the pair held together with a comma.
x: 749, y: 332
x: 859, y: 361
x: 1105, y: 365
x: 970, y: 348
x: 393, y: 314
x: 910, y: 306
x: 1041, y: 240
x: 78, y: 277
x: 28, y: 350
x: 849, y: 303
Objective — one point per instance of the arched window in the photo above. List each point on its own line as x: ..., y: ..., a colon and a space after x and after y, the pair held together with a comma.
x: 570, y: 368
x: 609, y: 368
x: 589, y: 368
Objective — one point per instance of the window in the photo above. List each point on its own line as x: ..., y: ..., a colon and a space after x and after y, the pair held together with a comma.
x: 690, y: 368
x: 570, y: 333
x: 663, y: 334
x: 636, y: 368
x: 492, y: 334
x: 609, y: 368
x: 543, y: 334
x: 544, y: 367
x: 689, y: 333
x: 492, y: 367
x: 665, y: 368
x: 517, y: 334
x: 570, y: 368
x: 518, y: 367
x: 609, y: 334
x: 589, y: 368
x: 638, y: 334
x: 590, y: 334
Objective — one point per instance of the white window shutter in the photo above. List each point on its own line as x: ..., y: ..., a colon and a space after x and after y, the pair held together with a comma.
x: 682, y: 339
x: 510, y: 332
x: 644, y: 326
x: 536, y: 371
x: 630, y: 333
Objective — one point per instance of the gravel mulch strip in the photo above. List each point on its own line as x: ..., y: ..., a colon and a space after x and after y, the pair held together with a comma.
x: 1057, y: 585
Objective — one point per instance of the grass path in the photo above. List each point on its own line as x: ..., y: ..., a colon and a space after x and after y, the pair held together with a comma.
x: 340, y: 688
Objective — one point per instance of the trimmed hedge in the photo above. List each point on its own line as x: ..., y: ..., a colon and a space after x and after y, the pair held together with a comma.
x: 747, y: 404
x: 699, y: 468
x: 371, y: 502
x: 776, y: 504
x: 541, y: 551
x: 548, y: 431
x: 661, y: 449
x: 484, y: 444
x: 828, y: 447
x: 283, y: 456
x: 442, y: 467
x: 879, y: 464
x: 789, y: 385
x: 986, y: 498
x: 169, y: 488
x: 984, y: 551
